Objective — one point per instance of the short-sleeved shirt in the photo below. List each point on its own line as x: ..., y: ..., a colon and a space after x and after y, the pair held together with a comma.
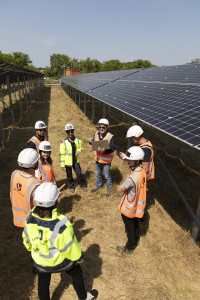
x: 147, y: 154
x: 130, y: 187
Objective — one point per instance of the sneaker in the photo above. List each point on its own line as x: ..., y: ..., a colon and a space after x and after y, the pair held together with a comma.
x: 72, y: 190
x: 124, y: 250
x: 94, y: 190
x: 90, y: 296
x: 84, y: 188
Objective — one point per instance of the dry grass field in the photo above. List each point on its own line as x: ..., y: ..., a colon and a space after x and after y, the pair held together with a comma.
x: 164, y: 266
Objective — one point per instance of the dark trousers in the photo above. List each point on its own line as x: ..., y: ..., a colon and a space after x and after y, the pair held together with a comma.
x: 77, y: 169
x: 77, y: 280
x: 132, y: 231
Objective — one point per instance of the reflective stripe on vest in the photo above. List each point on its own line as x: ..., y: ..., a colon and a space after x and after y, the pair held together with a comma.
x: 68, y: 154
x: 101, y: 157
x: 44, y: 173
x: 36, y: 141
x: 135, y: 208
x: 151, y: 169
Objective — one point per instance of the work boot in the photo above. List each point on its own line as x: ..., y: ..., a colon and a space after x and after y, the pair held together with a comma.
x: 108, y: 193
x: 84, y: 188
x: 72, y: 190
x: 94, y: 190
x: 90, y: 296
x: 124, y: 250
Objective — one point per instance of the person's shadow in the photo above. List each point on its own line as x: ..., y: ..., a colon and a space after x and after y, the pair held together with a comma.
x: 91, y: 267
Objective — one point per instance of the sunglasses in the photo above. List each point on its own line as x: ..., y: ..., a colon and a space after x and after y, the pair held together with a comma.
x: 102, y: 127
x: 41, y: 130
x: 70, y: 131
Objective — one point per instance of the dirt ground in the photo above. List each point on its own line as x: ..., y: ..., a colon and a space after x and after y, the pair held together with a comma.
x: 165, y: 265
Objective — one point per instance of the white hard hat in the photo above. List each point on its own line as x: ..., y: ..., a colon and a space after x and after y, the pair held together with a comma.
x: 135, y: 131
x: 46, y: 194
x: 69, y: 127
x: 40, y: 125
x: 134, y: 153
x: 104, y: 121
x: 28, y: 157
x: 45, y: 146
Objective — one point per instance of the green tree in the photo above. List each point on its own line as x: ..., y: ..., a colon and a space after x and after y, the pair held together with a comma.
x: 16, y: 58
x: 59, y: 62
x: 90, y: 65
x: 195, y: 61
x: 111, y: 65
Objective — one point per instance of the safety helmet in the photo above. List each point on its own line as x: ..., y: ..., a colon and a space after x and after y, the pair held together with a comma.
x: 134, y: 153
x: 46, y: 194
x: 45, y: 146
x: 69, y: 127
x: 28, y: 157
x: 40, y: 125
x: 135, y: 131
x: 104, y: 121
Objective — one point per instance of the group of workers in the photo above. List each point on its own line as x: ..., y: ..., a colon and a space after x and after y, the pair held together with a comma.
x: 48, y: 235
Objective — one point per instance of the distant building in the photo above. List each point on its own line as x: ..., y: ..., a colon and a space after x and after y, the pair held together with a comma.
x: 42, y: 70
x: 69, y: 72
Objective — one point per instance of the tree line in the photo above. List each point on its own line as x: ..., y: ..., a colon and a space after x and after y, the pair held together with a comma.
x: 60, y: 62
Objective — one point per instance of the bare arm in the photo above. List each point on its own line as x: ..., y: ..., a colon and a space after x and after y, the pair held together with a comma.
x: 121, y: 189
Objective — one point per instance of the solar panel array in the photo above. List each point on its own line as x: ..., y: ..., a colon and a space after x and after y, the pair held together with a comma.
x: 167, y: 98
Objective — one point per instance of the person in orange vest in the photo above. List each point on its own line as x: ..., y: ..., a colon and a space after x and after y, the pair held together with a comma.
x: 103, y: 157
x: 133, y: 201
x: 135, y: 132
x: 34, y: 142
x: 22, y: 185
x: 45, y: 170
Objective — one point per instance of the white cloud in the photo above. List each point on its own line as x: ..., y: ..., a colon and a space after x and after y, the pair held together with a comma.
x: 49, y: 41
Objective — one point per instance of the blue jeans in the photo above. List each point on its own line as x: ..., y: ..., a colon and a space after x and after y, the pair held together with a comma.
x: 106, y: 169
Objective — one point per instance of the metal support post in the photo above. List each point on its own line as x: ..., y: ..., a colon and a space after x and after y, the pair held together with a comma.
x: 104, y: 110
x: 93, y: 116
x: 196, y: 228
x: 19, y: 93
x: 10, y: 99
x: 2, y: 99
x: 25, y: 93
x: 85, y: 104
x: 29, y: 87
x: 2, y: 131
x: 79, y: 100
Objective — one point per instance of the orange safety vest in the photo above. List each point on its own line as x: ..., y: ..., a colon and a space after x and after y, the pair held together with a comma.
x: 101, y: 157
x: 135, y: 208
x: 36, y: 141
x: 151, y: 171
x: 21, y: 188
x: 47, y: 171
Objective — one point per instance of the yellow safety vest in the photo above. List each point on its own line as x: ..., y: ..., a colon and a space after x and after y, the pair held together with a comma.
x: 66, y: 158
x: 53, y: 245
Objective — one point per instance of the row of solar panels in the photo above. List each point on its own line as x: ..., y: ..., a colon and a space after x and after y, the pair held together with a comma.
x: 167, y: 98
x: 13, y: 71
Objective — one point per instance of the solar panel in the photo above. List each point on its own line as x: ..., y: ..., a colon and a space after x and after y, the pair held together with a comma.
x: 167, y: 98
x: 86, y: 82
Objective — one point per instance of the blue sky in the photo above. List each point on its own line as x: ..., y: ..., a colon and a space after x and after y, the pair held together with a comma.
x: 165, y: 32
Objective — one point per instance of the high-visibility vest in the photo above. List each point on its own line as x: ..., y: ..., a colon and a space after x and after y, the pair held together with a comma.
x: 36, y: 141
x: 135, y: 208
x: 21, y: 188
x: 47, y: 171
x: 53, y: 245
x: 151, y: 170
x: 66, y: 155
x: 101, y: 157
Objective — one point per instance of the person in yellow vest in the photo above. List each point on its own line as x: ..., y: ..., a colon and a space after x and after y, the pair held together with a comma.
x: 70, y: 149
x: 45, y: 167
x: 135, y: 132
x: 50, y: 238
x: 103, y: 157
x: 34, y: 142
x: 22, y: 186
x: 133, y: 201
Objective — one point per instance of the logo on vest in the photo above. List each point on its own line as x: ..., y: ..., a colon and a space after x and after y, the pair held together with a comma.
x: 19, y: 186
